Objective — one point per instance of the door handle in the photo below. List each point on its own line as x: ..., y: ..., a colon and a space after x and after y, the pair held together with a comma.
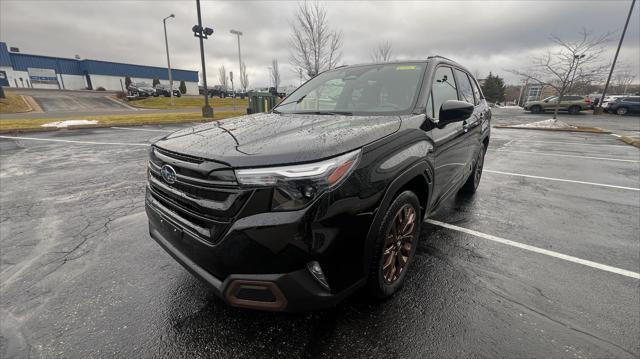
x: 465, y: 126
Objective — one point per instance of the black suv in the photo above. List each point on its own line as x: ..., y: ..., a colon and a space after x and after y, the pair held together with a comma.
x: 296, y: 209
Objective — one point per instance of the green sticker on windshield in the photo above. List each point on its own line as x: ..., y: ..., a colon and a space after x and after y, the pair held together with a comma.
x: 405, y: 68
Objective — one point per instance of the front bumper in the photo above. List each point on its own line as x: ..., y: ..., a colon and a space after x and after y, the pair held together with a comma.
x: 292, y: 290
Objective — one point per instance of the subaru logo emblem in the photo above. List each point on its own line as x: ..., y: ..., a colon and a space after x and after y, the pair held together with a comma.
x: 168, y: 173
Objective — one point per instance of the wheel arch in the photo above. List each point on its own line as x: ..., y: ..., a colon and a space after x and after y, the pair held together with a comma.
x: 417, y: 178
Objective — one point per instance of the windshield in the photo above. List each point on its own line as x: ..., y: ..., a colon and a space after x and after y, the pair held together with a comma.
x: 362, y: 90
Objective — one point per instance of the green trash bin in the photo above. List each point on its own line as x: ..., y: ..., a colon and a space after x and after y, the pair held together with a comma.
x: 260, y: 102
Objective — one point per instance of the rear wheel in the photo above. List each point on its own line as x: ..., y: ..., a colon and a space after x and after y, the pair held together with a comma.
x: 573, y: 110
x: 536, y: 109
x: 395, y: 245
x: 622, y: 111
x: 473, y: 181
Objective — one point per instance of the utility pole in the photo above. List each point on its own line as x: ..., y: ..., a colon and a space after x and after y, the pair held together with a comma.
x: 238, y: 34
x: 166, y: 44
x: 203, y: 33
x: 598, y: 110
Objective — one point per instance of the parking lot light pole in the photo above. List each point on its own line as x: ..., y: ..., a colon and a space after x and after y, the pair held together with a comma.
x: 598, y: 110
x: 203, y: 33
x: 238, y: 34
x: 166, y: 44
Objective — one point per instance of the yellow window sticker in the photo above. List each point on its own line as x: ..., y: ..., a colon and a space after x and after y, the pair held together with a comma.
x: 405, y: 68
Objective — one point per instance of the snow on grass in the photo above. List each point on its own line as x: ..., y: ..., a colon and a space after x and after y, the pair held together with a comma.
x: 67, y: 123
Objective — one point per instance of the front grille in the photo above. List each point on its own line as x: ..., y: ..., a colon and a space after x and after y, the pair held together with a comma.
x: 205, y: 196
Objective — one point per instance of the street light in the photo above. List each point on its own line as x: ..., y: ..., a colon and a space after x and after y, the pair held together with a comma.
x: 238, y: 34
x: 203, y: 33
x: 166, y: 43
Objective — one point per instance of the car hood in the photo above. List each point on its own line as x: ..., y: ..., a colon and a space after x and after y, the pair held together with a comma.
x: 272, y: 139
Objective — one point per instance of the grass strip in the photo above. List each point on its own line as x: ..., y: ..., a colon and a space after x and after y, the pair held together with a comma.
x: 13, y: 103
x: 30, y: 125
x: 164, y: 103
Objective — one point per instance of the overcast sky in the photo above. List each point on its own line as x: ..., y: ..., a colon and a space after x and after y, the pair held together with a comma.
x: 484, y: 36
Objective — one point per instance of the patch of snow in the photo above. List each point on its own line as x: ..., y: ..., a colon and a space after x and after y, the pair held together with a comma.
x: 67, y: 123
x: 550, y: 123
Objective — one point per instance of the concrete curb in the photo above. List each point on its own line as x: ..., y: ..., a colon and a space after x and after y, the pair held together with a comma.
x: 630, y: 141
x: 578, y: 129
x: 122, y: 103
x: 35, y: 108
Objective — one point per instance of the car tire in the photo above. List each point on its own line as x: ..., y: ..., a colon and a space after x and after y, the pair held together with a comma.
x: 622, y: 111
x: 395, y: 247
x: 573, y: 110
x: 536, y: 109
x: 472, y: 183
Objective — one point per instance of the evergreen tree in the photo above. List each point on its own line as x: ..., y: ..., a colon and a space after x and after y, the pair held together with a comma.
x: 156, y: 82
x: 127, y: 82
x: 493, y: 88
x: 183, y: 87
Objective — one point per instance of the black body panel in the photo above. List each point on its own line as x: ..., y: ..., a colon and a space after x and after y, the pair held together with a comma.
x: 249, y: 241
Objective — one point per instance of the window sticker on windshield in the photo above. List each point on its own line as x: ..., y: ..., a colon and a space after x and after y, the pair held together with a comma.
x: 405, y: 68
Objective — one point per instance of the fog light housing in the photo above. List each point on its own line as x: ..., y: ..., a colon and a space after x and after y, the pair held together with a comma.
x: 316, y: 271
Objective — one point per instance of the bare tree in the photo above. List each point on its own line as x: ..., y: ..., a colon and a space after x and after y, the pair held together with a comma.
x: 244, y: 77
x: 568, y: 63
x: 382, y: 52
x: 222, y: 76
x: 622, y: 78
x: 275, y: 73
x: 314, y: 46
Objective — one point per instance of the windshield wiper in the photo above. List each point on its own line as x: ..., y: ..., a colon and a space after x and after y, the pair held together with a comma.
x: 296, y: 101
x: 343, y: 113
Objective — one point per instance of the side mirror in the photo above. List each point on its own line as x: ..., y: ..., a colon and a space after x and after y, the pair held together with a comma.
x: 546, y: 100
x: 454, y: 111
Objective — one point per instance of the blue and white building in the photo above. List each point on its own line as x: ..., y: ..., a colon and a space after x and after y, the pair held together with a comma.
x: 38, y: 71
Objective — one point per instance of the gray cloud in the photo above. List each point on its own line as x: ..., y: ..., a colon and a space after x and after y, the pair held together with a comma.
x: 485, y: 36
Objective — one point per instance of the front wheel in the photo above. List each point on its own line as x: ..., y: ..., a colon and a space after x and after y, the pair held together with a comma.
x: 622, y: 111
x: 473, y: 181
x: 536, y: 109
x: 395, y: 245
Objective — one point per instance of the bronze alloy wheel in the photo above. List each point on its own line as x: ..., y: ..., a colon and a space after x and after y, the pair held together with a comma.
x: 398, y: 243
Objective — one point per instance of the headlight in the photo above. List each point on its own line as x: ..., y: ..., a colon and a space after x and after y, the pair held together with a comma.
x: 295, y: 186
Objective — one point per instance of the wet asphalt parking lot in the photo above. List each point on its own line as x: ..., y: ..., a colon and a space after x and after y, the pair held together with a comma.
x: 542, y: 262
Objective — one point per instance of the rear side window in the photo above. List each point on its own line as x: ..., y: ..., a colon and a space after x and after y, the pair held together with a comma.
x: 443, y: 88
x: 631, y: 99
x: 572, y: 98
x: 476, y: 90
x: 466, y: 91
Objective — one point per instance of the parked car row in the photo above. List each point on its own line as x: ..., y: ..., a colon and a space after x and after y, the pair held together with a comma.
x: 144, y: 90
x: 623, y: 105
x: 618, y: 104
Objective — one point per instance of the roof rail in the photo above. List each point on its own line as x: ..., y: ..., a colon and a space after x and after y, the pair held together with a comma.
x: 442, y: 57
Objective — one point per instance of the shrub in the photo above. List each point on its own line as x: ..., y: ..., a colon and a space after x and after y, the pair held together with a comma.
x: 183, y: 87
x: 156, y: 82
x: 100, y: 88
